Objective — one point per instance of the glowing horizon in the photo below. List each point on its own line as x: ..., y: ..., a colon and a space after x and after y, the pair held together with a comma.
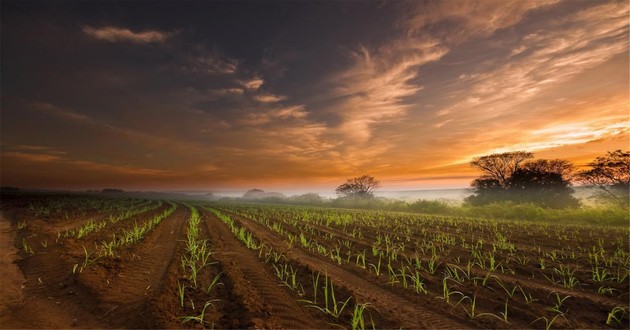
x: 234, y: 96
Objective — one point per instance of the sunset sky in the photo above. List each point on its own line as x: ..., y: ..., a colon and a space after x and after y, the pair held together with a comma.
x: 298, y: 95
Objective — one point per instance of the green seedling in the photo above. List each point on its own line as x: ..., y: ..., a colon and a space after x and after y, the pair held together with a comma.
x: 181, y: 290
x: 549, y: 322
x: 197, y: 318
x: 613, y: 315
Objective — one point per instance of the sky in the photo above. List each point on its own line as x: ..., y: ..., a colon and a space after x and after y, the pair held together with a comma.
x: 301, y: 95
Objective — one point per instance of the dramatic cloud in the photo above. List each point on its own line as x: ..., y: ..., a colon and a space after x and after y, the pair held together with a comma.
x: 373, y: 90
x: 253, y: 83
x: 269, y: 98
x: 187, y: 96
x: 117, y: 34
x: 466, y: 18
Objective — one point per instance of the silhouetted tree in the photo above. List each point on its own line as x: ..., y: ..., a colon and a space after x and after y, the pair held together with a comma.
x: 510, y: 177
x: 361, y: 187
x: 611, y: 174
x: 499, y: 167
x: 563, y: 167
x: 546, y: 187
x: 486, y: 191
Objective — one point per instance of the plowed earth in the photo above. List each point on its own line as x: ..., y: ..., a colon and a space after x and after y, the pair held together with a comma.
x: 139, y: 287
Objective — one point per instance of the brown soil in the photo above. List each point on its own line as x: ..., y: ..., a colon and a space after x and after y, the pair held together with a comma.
x: 138, y: 288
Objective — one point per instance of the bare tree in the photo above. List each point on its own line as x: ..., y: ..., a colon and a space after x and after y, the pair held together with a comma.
x: 499, y: 167
x: 560, y: 166
x: 362, y: 186
x: 611, y: 174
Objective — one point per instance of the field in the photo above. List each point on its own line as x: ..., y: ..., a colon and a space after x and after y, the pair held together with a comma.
x: 96, y: 262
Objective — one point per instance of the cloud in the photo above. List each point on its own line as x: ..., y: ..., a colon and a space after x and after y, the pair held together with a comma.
x: 439, y: 177
x: 34, y: 153
x: 268, y: 116
x: 269, y: 98
x: 117, y: 34
x: 374, y: 88
x: 458, y: 20
x: 214, y: 63
x: 554, y: 136
x: 59, y: 112
x: 203, y: 60
x: 225, y: 92
x: 42, y: 154
x: 253, y: 83
x: 569, y: 46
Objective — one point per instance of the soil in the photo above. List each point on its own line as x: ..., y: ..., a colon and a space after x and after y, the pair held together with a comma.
x: 48, y: 280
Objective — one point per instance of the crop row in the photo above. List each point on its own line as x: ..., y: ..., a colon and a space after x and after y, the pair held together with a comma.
x: 125, y: 236
x: 92, y: 226
x: 312, y: 288
x: 459, y: 270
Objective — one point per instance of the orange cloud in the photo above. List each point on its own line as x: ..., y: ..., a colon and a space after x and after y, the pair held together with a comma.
x: 116, y: 34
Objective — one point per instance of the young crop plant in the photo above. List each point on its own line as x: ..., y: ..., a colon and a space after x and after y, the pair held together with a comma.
x: 197, y: 318
x: 568, y: 277
x: 527, y: 296
x: 447, y: 292
x: 473, y: 308
x: 358, y: 320
x: 616, y: 315
x: 505, y: 311
x: 331, y: 306
x: 215, y: 282
x: 377, y: 267
x: 417, y: 282
x: 181, y: 291
x: 559, y: 301
x: 26, y: 248
x: 21, y: 224
x: 288, y: 276
x: 548, y: 321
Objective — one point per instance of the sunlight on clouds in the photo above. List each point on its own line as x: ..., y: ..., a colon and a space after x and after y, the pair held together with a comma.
x: 34, y: 154
x: 269, y: 98
x: 570, y: 46
x: 268, y: 116
x: 410, y: 97
x: 565, y: 135
x: 253, y: 83
x: 114, y: 34
x: 475, y: 17
x: 376, y: 85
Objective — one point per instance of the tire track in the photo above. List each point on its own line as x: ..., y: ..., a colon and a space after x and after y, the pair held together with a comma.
x: 52, y: 290
x: 385, y: 301
x: 270, y: 304
x: 125, y: 296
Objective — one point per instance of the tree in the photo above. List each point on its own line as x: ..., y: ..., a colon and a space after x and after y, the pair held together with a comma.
x: 611, y: 174
x: 544, y: 186
x: 499, y: 167
x: 563, y: 167
x: 511, y: 177
x: 361, y: 187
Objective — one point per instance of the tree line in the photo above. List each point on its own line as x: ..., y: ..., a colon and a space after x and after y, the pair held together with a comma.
x: 518, y: 177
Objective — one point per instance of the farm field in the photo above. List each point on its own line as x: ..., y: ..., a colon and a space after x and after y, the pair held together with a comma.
x: 96, y: 262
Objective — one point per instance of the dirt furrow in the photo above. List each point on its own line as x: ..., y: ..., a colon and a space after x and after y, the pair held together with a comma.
x: 51, y: 289
x: 126, y: 286
x: 385, y: 301
x: 271, y: 306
